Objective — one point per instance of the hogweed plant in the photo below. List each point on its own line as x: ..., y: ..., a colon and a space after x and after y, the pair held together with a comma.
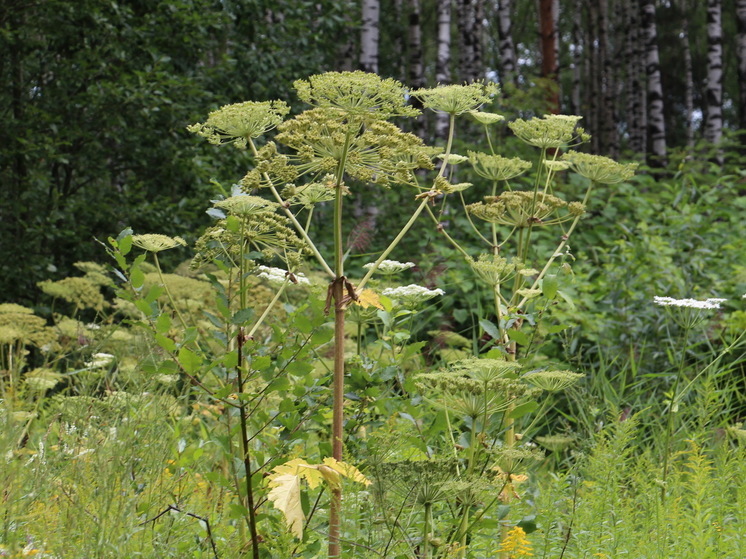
x: 342, y: 146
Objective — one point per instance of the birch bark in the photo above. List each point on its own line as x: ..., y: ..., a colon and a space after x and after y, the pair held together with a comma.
x: 655, y: 105
x: 741, y: 55
x: 714, y: 92
x: 369, y: 36
x: 443, y: 61
x: 505, y: 45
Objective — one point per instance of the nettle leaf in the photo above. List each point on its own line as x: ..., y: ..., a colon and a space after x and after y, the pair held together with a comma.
x: 285, y: 486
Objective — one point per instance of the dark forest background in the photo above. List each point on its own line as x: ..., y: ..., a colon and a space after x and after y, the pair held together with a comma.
x: 95, y: 95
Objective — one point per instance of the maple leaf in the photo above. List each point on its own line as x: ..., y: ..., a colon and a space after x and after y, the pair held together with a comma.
x: 368, y: 298
x: 285, y: 496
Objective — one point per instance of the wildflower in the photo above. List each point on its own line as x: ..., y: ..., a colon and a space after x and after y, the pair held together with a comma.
x: 556, y: 166
x: 456, y: 99
x: 389, y: 267
x: 492, y: 269
x: 79, y: 291
x: 486, y: 118
x: 238, y: 122
x: 357, y: 94
x: 707, y: 304
x: 599, y: 169
x: 520, y: 209
x: 550, y: 131
x: 497, y: 167
x: 453, y: 158
x: 280, y: 276
x: 42, y: 379
x: 310, y: 194
x: 443, y: 185
x: 552, y: 381
x: 100, y: 361
x: 156, y: 243
x: 555, y: 442
x: 412, y: 294
x: 245, y: 206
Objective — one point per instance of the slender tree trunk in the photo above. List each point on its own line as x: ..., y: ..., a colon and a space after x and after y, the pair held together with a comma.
x: 443, y: 61
x: 714, y: 92
x: 688, y: 81
x: 505, y: 41
x: 606, y: 82
x: 549, y: 64
x: 470, y: 16
x: 637, y: 91
x: 741, y: 54
x: 416, y: 74
x: 369, y: 36
x: 576, y: 48
x: 593, y: 78
x: 655, y: 105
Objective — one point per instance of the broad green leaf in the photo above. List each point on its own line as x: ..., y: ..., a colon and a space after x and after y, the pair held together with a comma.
x: 519, y: 337
x: 137, y: 278
x: 522, y: 409
x: 189, y: 360
x: 165, y: 342
x: 490, y: 328
x: 163, y: 324
x: 549, y: 286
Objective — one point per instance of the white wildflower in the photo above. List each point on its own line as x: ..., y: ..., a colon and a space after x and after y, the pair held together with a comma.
x: 278, y: 275
x: 707, y: 304
x: 390, y: 266
x: 412, y: 294
x: 100, y: 361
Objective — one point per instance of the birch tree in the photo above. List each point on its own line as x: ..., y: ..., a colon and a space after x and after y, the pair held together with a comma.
x: 506, y: 47
x: 655, y: 109
x: 470, y: 17
x: 714, y: 91
x: 370, y: 36
x: 548, y: 12
x: 443, y: 61
x: 741, y: 54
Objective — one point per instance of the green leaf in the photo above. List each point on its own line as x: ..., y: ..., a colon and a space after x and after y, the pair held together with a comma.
x: 567, y: 299
x: 518, y: 337
x: 549, y: 286
x: 166, y: 343
x: 490, y: 328
x: 163, y: 324
x: 522, y: 409
x: 137, y: 278
x: 242, y: 316
x: 125, y: 243
x: 189, y: 360
x: 146, y: 308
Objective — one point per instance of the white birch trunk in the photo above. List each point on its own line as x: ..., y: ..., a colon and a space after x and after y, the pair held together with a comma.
x: 505, y: 45
x: 655, y: 113
x: 443, y: 61
x: 688, y: 83
x: 714, y: 92
x: 741, y: 55
x: 369, y: 36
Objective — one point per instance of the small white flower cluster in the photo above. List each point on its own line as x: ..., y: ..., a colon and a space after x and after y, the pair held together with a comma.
x: 707, y: 304
x: 412, y: 294
x: 100, y: 361
x: 278, y: 275
x: 390, y: 266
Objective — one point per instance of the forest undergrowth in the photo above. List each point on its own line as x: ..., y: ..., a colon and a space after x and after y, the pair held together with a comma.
x: 553, y: 366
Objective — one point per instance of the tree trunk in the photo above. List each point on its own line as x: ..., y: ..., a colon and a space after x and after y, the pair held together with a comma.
x: 655, y: 113
x: 548, y: 10
x: 606, y: 83
x: 576, y: 48
x: 443, y: 61
x: 416, y: 74
x: 636, y: 92
x: 593, y: 77
x: 470, y: 17
x: 714, y: 92
x: 688, y: 82
x: 505, y: 41
x: 369, y: 36
x: 741, y: 54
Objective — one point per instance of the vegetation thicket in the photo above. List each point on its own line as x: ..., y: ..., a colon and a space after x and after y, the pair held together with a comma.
x: 565, y: 380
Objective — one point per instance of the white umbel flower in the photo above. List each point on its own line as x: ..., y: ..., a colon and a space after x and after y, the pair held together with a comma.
x: 707, y: 304
x: 389, y: 267
x: 412, y: 294
x: 278, y: 275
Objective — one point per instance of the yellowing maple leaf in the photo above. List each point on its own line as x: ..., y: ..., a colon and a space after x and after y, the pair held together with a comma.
x: 285, y: 496
x: 285, y: 483
x: 368, y: 298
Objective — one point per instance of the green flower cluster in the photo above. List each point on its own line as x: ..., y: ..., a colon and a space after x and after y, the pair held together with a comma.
x: 550, y: 131
x: 239, y: 122
x: 522, y: 209
x: 598, y: 168
x: 81, y: 292
x: 458, y: 99
x: 497, y: 167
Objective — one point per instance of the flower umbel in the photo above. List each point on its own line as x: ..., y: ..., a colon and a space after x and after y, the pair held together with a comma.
x: 457, y: 99
x: 707, y: 304
x: 238, y: 122
x: 412, y: 294
x: 389, y: 267
x: 599, y: 169
x: 550, y: 131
